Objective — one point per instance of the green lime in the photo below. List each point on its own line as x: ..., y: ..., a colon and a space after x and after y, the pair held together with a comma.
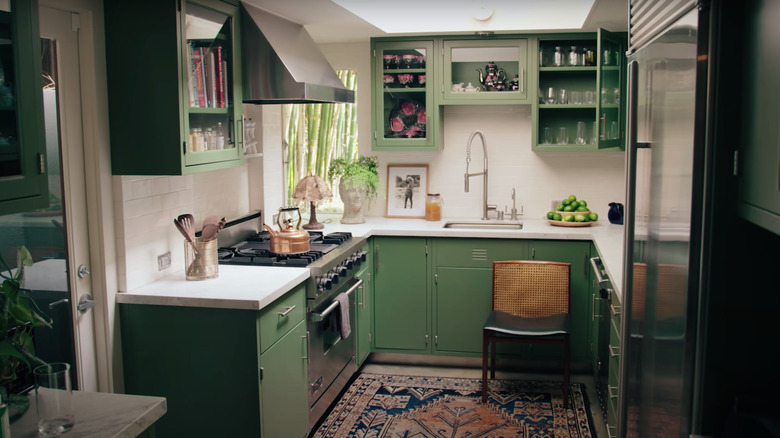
x: 559, y: 207
x: 568, y: 218
x: 568, y: 208
x: 583, y: 203
x: 579, y: 218
x: 594, y: 216
x: 574, y: 205
x: 571, y: 198
x: 550, y: 214
x: 582, y: 208
x: 557, y: 217
x: 565, y: 202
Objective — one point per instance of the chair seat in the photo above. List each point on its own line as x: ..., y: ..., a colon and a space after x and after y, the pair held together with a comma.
x: 506, y: 323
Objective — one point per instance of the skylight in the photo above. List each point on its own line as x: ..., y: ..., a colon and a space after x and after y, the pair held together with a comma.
x: 429, y: 16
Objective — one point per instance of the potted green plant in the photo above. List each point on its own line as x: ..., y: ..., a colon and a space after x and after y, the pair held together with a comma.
x: 18, y: 317
x: 358, y: 182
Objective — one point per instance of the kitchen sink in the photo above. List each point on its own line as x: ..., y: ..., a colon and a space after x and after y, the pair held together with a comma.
x: 488, y: 224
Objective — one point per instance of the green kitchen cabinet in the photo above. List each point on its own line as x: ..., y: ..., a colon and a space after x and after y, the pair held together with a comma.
x: 284, y: 402
x: 401, y: 300
x: 757, y: 162
x: 405, y: 115
x: 467, y: 62
x: 365, y: 292
x: 577, y: 253
x: 581, y: 86
x: 463, y: 279
x: 23, y: 173
x: 174, y: 86
x: 238, y: 372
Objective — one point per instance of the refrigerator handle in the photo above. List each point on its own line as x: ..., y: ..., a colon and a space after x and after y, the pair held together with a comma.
x: 628, y: 248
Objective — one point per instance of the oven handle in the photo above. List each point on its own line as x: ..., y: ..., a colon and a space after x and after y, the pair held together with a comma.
x: 317, y: 317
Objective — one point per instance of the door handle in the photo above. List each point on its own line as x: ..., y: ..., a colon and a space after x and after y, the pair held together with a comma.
x: 57, y: 303
x: 85, y: 303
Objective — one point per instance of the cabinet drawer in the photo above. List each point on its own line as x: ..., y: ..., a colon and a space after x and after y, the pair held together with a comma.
x: 478, y: 253
x: 281, y: 316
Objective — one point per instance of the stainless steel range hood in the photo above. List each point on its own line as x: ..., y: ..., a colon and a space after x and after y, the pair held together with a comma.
x: 282, y: 64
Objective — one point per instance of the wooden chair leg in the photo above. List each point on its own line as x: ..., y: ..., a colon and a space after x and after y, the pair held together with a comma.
x: 493, y: 359
x: 566, y: 369
x: 485, y: 346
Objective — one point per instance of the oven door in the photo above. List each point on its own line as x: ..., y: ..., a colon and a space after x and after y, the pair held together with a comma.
x: 331, y: 357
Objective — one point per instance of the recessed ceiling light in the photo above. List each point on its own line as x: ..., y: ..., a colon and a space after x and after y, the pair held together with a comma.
x: 429, y: 16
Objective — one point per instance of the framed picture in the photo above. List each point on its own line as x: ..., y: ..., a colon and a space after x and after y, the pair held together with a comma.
x: 407, y: 186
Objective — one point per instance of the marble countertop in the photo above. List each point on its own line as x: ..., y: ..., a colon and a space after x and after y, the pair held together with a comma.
x: 253, y: 287
x: 100, y: 415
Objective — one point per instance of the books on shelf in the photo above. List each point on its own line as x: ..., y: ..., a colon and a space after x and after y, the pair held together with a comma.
x: 207, y: 78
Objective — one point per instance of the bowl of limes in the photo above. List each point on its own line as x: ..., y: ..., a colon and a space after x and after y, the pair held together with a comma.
x: 572, y: 213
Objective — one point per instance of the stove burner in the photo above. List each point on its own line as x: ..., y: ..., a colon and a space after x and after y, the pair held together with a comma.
x: 256, y: 250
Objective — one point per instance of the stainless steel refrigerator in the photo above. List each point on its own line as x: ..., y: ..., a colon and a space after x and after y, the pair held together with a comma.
x: 667, y: 120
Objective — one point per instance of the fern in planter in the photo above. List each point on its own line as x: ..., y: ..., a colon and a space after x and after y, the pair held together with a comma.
x: 362, y: 173
x: 18, y: 317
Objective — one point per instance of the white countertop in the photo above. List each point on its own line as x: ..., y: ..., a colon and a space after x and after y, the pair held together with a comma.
x: 253, y: 287
x: 100, y: 415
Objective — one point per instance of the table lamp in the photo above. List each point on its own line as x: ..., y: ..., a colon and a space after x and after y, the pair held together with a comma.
x: 313, y: 189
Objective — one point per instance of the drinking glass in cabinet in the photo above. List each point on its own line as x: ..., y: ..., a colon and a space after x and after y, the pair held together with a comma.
x: 550, y: 96
x: 558, y: 57
x: 594, y: 133
x: 562, y: 97
x: 580, y: 133
x: 547, y: 138
x: 590, y: 98
x: 563, y: 135
x: 574, y: 57
x: 575, y: 98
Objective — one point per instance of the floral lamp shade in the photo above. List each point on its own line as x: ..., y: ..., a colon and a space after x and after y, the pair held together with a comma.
x: 312, y: 189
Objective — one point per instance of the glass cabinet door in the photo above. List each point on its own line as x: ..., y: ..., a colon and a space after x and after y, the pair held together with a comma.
x: 210, y: 128
x: 477, y: 71
x: 404, y: 112
x: 611, y: 120
x: 23, y: 181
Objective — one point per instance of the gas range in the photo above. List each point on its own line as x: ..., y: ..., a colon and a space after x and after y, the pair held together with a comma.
x: 330, y: 258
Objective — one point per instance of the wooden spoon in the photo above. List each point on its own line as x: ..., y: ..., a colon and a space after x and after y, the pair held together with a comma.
x: 211, y: 226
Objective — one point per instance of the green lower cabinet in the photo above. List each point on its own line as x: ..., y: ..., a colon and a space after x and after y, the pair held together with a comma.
x: 462, y: 305
x: 207, y: 363
x: 401, y: 294
x: 284, y: 403
x: 363, y: 317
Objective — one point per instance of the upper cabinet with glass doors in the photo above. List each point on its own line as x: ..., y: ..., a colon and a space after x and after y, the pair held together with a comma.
x: 484, y: 71
x: 581, y: 84
x: 23, y: 173
x: 174, y: 86
x: 405, y: 115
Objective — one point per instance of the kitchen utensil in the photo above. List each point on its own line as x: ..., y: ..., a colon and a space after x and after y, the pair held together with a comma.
x: 211, y: 226
x: 186, y: 225
x: 289, y: 239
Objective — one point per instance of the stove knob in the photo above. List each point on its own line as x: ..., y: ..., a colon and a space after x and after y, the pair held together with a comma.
x: 325, y: 282
x: 342, y: 270
x: 363, y: 255
x: 356, y: 259
x: 334, y: 277
x: 349, y: 263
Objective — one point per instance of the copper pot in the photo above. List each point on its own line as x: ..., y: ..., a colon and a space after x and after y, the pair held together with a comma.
x: 289, y: 239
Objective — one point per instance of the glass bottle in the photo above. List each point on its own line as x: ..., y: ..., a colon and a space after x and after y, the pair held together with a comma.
x: 210, y: 140
x: 220, y: 136
x: 574, y: 57
x: 558, y: 59
x: 196, y: 140
x: 433, y: 207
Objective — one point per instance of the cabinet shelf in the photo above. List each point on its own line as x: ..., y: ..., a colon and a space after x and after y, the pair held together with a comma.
x: 198, y: 110
x: 547, y: 106
x: 405, y: 90
x: 568, y: 69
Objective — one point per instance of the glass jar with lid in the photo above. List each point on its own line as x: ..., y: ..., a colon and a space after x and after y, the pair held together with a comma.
x: 433, y: 207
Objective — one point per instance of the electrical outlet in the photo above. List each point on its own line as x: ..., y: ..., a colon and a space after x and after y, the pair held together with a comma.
x: 164, y: 261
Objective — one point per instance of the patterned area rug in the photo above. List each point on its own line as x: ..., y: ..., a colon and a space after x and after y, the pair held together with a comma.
x: 378, y: 406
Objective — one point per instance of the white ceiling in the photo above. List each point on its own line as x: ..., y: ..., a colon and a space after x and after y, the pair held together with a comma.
x: 328, y: 22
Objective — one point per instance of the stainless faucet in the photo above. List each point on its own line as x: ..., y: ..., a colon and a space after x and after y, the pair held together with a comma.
x: 484, y: 173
